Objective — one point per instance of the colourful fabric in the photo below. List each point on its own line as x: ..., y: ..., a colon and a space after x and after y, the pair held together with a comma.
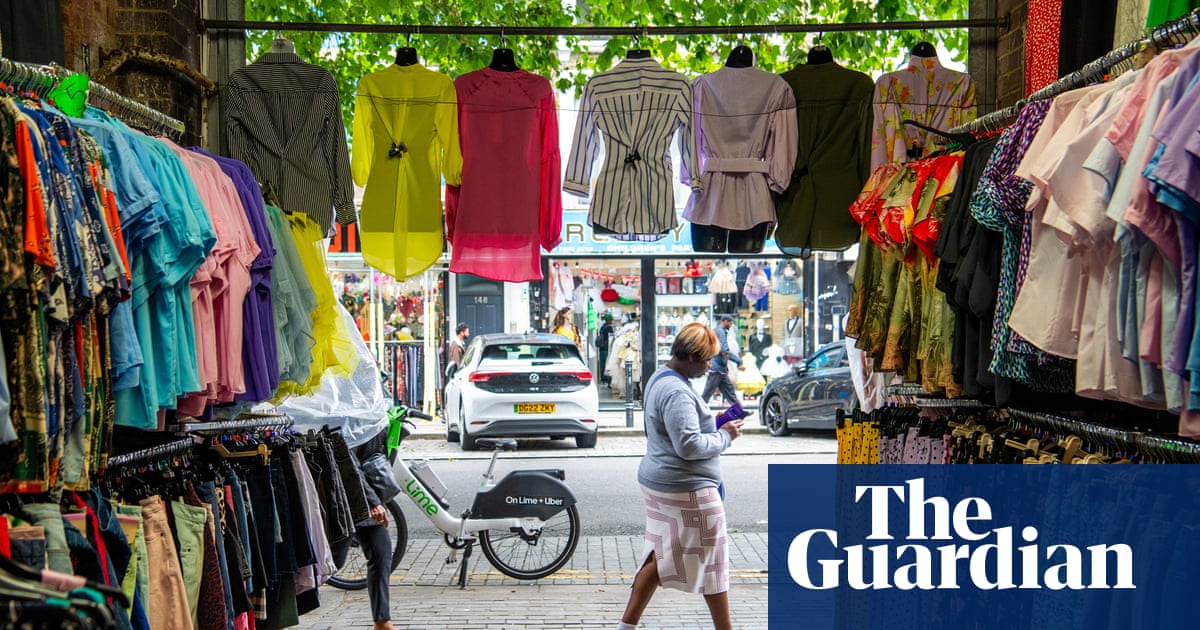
x: 745, y: 125
x: 1041, y: 44
x: 923, y: 91
x: 1163, y: 11
x: 405, y: 143
x: 509, y: 206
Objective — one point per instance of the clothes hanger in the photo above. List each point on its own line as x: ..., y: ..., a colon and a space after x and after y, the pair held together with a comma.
x: 819, y: 53
x: 502, y: 57
x: 406, y: 55
x: 637, y: 52
x: 740, y: 57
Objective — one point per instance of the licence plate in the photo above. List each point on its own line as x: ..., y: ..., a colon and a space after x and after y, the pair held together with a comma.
x: 534, y: 407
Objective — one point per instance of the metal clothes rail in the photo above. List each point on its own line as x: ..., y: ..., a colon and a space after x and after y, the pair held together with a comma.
x: 41, y: 80
x: 600, y: 31
x: 247, y: 423
x: 154, y: 452
x: 1172, y: 33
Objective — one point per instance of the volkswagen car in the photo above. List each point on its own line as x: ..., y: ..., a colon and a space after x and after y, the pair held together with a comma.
x: 809, y: 396
x: 523, y: 386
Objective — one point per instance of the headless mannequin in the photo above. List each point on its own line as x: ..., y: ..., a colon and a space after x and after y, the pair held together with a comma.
x: 924, y: 49
x: 819, y: 54
x: 406, y: 56
x: 503, y: 61
x: 711, y: 238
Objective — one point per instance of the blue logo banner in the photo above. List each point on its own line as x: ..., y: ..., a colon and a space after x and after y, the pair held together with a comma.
x: 984, y: 547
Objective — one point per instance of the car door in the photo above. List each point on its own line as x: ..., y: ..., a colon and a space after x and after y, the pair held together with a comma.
x: 823, y: 388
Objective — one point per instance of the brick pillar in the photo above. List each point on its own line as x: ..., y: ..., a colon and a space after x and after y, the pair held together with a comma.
x: 165, y: 27
x: 1010, y: 53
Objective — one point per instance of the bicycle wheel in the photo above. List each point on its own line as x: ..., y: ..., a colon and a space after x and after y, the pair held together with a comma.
x: 533, y: 557
x: 352, y: 564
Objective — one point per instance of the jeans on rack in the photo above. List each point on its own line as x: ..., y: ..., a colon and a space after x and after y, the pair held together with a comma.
x: 346, y: 465
x: 49, y: 517
x: 170, y: 607
x: 339, y: 525
x: 262, y: 502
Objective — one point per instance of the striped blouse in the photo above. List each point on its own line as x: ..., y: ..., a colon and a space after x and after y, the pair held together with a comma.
x: 285, y: 122
x: 637, y: 107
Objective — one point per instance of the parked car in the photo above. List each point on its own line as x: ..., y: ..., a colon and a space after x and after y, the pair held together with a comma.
x: 533, y: 385
x: 809, y: 396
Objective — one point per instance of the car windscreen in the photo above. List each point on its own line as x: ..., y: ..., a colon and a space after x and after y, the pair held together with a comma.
x: 530, y: 351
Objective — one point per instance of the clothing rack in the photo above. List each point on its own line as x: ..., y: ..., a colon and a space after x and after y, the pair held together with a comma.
x: 1095, y: 433
x: 600, y: 31
x: 41, y: 80
x: 154, y: 452
x: 1172, y: 33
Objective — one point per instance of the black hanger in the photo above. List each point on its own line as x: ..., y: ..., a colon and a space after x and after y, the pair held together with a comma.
x: 503, y: 61
x: 406, y: 56
x: 740, y: 57
x: 820, y: 54
x: 637, y: 53
x: 924, y: 49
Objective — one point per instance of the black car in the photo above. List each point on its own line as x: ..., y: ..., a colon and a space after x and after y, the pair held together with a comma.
x: 810, y: 395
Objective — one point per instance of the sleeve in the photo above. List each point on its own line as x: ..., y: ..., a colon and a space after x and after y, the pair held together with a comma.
x: 585, y: 147
x: 865, y: 129
x: 454, y: 189
x: 688, y: 154
x: 337, y: 155
x: 551, y: 203
x: 682, y: 423
x: 446, y: 121
x: 882, y: 136
x: 239, y: 142
x: 686, y: 167
x: 362, y: 141
x: 783, y: 139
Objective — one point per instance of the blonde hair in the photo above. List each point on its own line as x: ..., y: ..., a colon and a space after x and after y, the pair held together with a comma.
x: 695, y: 341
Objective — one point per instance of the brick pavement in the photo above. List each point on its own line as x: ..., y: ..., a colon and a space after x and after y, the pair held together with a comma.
x: 591, y: 591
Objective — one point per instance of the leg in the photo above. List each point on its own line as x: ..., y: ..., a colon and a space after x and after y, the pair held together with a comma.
x: 644, y: 585
x: 728, y: 390
x: 377, y: 547
x: 718, y: 607
x: 710, y: 385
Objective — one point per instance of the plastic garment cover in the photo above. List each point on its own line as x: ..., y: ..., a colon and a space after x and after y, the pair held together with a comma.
x: 356, y: 403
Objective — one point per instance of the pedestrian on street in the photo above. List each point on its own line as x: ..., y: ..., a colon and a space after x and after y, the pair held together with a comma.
x: 686, y: 543
x: 718, y: 371
x: 458, y: 344
x: 372, y: 533
x: 564, y: 324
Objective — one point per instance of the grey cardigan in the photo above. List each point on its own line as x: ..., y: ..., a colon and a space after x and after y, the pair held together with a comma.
x: 683, y: 445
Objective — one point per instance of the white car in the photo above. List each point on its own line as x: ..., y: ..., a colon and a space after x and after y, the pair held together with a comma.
x: 534, y: 385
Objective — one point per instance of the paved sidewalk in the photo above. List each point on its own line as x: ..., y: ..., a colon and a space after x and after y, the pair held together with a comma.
x: 590, y: 592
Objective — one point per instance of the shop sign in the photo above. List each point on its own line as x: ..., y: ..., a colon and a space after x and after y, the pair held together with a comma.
x: 578, y: 239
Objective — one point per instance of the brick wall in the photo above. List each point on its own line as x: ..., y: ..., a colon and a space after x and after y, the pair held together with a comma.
x: 1010, y: 52
x: 166, y: 27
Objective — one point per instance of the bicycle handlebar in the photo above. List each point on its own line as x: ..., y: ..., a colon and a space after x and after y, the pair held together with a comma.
x: 409, y: 411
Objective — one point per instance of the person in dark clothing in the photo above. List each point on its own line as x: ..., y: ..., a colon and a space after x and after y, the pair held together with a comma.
x: 373, y: 537
x: 603, y: 341
x: 718, y: 369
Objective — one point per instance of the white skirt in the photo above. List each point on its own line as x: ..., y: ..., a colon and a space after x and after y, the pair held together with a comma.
x: 686, y: 533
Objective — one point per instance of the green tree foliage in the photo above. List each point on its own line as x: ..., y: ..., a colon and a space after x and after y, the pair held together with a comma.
x: 571, y: 61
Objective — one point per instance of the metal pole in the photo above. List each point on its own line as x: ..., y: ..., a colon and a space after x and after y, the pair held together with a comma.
x: 594, y: 31
x: 628, y: 392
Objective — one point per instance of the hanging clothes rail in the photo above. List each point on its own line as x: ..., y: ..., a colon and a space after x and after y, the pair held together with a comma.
x: 600, y: 31
x: 41, y: 80
x: 245, y: 424
x: 154, y: 452
x: 1171, y: 33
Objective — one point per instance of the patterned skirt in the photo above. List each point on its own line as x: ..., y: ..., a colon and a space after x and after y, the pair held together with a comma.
x: 686, y: 533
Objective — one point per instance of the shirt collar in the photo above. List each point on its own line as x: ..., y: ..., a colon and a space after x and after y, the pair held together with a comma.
x: 280, y: 58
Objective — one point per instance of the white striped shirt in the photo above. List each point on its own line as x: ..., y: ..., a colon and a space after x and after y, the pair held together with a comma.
x: 638, y: 107
x: 284, y: 119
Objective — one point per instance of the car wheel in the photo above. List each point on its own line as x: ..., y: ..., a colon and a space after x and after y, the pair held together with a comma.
x: 775, y: 417
x: 468, y: 440
x: 586, y: 440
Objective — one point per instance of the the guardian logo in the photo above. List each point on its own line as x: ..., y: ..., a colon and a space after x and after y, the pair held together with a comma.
x: 974, y: 554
